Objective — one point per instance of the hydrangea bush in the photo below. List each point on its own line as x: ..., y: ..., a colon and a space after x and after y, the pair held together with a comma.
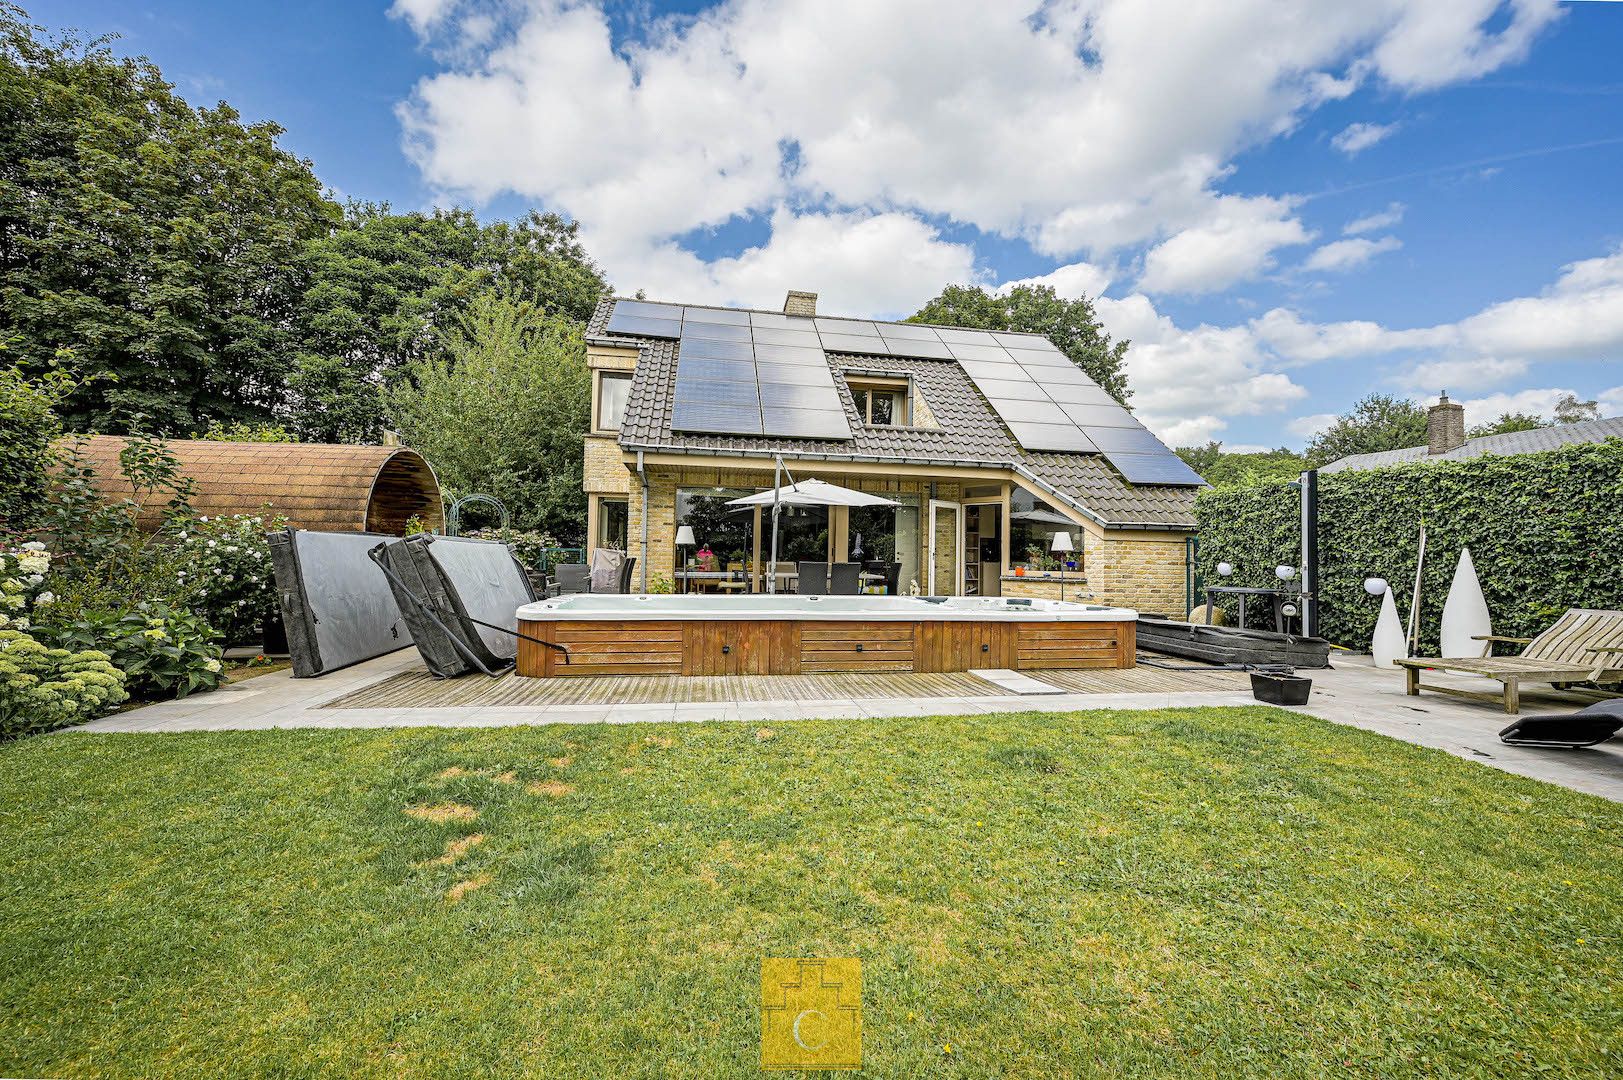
x: 23, y: 592
x: 225, y: 573
x: 165, y: 651
x: 42, y: 689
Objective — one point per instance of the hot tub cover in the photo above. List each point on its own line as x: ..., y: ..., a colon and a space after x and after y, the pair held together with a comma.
x: 336, y: 603
x: 455, y: 593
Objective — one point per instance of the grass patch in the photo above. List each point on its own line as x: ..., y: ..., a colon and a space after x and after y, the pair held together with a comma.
x: 1224, y: 892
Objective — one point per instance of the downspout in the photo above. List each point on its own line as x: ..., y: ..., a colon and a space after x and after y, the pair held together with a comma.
x: 642, y: 474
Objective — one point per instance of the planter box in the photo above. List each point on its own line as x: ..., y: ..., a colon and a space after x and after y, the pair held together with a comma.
x: 1280, y: 689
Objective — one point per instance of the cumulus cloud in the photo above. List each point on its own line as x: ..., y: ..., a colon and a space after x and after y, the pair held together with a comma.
x: 1381, y: 219
x: 1349, y: 254
x: 1305, y: 427
x: 1355, y: 138
x: 1537, y: 402
x: 1471, y: 373
x: 1236, y: 243
x: 1069, y: 282
x: 1081, y: 126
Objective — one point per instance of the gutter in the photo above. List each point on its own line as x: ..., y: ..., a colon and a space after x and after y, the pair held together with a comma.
x: 642, y: 474
x: 1019, y: 470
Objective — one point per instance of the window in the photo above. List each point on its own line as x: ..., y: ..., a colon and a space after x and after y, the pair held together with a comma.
x: 882, y: 403
x: 886, y: 534
x: 613, y: 387
x: 720, y: 529
x: 612, y: 518
x: 1032, y: 525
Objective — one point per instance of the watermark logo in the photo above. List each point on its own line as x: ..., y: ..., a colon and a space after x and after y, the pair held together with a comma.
x: 811, y: 1013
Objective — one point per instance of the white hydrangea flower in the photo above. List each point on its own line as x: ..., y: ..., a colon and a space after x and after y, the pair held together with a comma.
x: 33, y: 545
x: 211, y: 665
x: 45, y: 598
x: 22, y: 624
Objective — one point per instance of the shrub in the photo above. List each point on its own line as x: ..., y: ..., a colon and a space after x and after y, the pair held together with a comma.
x: 23, y: 593
x: 42, y: 689
x: 1543, y: 531
x: 223, y: 572
x: 165, y: 651
x: 535, y: 550
x: 28, y: 424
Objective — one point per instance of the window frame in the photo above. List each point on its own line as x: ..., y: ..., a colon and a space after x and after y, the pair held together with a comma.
x: 900, y: 388
x: 600, y: 375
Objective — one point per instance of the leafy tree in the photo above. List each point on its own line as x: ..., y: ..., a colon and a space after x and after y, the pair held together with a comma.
x: 1569, y: 410
x: 1224, y: 469
x: 1378, y: 422
x: 1037, y: 309
x: 499, y: 407
x: 385, y: 287
x: 1510, y: 422
x: 28, y: 426
x: 159, y: 242
x: 241, y: 432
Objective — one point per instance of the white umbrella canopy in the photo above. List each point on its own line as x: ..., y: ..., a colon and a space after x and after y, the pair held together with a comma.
x: 812, y: 493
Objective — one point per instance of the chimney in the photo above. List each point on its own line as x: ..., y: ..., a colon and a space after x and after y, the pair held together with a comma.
x: 1445, y: 426
x: 800, y: 303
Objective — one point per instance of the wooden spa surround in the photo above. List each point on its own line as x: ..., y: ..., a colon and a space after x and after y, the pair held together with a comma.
x: 803, y: 646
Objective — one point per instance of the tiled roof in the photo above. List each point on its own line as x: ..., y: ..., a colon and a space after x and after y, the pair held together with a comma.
x: 1515, y: 442
x: 969, y: 435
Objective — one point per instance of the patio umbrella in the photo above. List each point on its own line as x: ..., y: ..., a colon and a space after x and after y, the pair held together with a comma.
x: 803, y: 493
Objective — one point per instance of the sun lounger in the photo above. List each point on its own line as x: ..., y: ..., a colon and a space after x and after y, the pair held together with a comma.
x: 1584, y: 645
x: 1586, y: 727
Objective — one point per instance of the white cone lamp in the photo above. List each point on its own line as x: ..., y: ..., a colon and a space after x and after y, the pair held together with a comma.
x: 1388, y: 644
x: 685, y: 540
x: 1061, y: 546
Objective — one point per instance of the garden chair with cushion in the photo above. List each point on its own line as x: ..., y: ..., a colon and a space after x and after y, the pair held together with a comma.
x: 812, y: 578
x: 845, y: 578
x: 570, y: 578
x: 1584, y: 645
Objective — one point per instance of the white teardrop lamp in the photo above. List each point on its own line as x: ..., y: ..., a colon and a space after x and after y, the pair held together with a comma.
x: 1387, y: 645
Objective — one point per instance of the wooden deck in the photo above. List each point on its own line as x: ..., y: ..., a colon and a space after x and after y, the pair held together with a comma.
x: 419, y: 690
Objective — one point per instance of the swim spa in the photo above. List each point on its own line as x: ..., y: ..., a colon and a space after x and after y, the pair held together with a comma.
x: 589, y: 634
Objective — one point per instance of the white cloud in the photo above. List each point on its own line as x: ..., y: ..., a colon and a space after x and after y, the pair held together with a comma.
x: 1349, y: 254
x: 1068, y: 282
x: 1580, y: 316
x: 1305, y: 427
x: 1187, y: 383
x: 1355, y: 138
x: 1082, y: 126
x: 1381, y: 219
x: 1472, y: 373
x: 1542, y: 402
x: 1236, y: 243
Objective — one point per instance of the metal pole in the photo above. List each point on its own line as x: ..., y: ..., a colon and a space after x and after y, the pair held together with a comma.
x: 772, y: 566
x: 1310, y: 553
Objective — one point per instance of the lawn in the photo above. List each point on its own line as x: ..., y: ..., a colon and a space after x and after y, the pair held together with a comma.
x: 1224, y: 892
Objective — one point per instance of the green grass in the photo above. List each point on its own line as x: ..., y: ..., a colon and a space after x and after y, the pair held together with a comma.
x: 1223, y: 892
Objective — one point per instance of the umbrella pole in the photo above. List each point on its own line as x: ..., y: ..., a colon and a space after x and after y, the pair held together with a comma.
x: 772, y: 566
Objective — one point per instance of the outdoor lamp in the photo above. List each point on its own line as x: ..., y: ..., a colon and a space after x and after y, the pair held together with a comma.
x: 1224, y: 569
x: 685, y: 539
x: 1284, y: 573
x: 1061, y: 546
x: 1375, y: 586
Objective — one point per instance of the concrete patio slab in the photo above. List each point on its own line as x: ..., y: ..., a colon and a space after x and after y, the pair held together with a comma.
x: 1352, y: 692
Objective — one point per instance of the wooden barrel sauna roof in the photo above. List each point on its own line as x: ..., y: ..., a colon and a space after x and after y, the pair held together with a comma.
x: 324, y: 486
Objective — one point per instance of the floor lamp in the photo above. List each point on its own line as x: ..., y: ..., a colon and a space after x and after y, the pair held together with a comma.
x: 685, y: 540
x: 1061, y: 546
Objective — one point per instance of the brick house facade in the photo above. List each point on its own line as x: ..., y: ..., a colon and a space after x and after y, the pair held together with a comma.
x: 962, y: 480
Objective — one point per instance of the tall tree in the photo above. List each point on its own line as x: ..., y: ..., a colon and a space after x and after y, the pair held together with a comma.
x: 1037, y: 309
x: 1510, y: 422
x: 156, y: 241
x: 386, y: 287
x: 1378, y: 422
x: 1223, y: 468
x: 498, y: 406
x: 1569, y: 410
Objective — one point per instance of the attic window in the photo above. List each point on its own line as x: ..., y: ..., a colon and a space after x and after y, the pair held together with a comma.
x: 882, y: 402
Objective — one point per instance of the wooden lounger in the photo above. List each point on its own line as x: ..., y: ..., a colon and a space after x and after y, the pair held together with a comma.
x: 1584, y: 645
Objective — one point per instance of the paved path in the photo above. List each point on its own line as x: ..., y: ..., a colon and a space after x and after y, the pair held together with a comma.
x: 1351, y: 693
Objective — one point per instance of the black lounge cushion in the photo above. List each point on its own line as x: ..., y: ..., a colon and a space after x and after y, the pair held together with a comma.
x: 1586, y: 727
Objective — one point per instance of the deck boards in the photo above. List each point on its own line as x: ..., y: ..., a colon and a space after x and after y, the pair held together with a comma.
x: 419, y: 690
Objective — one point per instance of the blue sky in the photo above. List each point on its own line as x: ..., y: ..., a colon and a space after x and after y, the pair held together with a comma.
x: 1284, y: 210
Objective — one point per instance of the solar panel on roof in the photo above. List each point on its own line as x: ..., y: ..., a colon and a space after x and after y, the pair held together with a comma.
x: 1011, y: 388
x: 859, y: 327
x: 1125, y: 440
x: 728, y: 316
x: 718, y: 391
x: 790, y: 354
x: 1162, y: 468
x: 1034, y: 412
x: 908, y: 331
x: 797, y: 396
x: 716, y: 419
x: 1092, y: 416
x: 715, y: 331
x: 981, y: 369
x: 956, y: 336
x: 1065, y: 438
x: 1035, y: 342
x: 992, y: 354
x: 806, y: 339
x: 699, y: 367
x: 705, y: 349
x: 804, y: 423
x: 639, y: 326
x: 924, y: 348
x: 1032, y: 358
x: 645, y: 310
x: 851, y: 343
x: 1076, y: 393
x: 801, y: 374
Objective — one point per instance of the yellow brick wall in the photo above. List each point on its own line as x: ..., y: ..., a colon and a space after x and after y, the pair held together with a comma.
x: 1143, y: 571
x: 605, y: 469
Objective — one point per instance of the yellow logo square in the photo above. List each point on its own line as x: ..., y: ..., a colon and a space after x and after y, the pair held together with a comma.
x: 811, y: 1013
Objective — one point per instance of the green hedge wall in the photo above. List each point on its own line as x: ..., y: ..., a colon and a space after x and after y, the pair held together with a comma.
x: 1545, y: 531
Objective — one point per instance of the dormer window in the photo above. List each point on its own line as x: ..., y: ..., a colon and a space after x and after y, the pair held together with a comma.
x: 882, y: 402
x: 613, y: 389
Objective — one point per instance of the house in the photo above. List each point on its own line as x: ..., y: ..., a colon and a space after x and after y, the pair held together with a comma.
x: 991, y: 444
x: 1446, y: 441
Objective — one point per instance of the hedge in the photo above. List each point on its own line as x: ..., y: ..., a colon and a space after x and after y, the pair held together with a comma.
x: 1545, y: 532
